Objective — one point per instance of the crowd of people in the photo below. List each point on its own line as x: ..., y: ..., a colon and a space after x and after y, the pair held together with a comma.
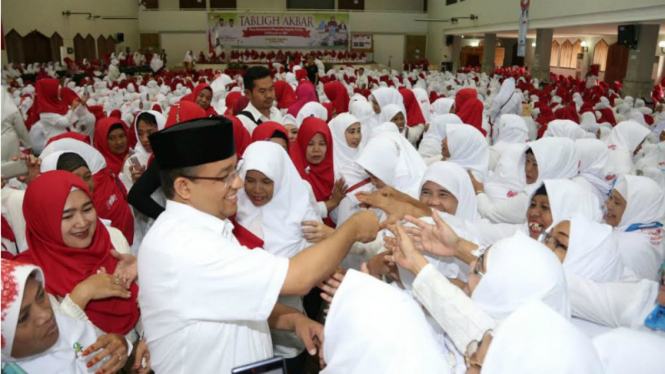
x: 349, y: 221
x: 253, y: 56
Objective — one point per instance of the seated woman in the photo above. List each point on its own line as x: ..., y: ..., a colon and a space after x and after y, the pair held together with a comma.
x: 635, y: 208
x: 272, y: 205
x: 416, y: 118
x: 202, y: 96
x: 51, y: 112
x: 396, y: 114
x: 511, y: 129
x: 467, y: 148
x: 272, y: 132
x: 624, y: 142
x: 111, y: 141
x: 76, y: 252
x: 37, y: 339
x: 593, y: 163
x: 430, y: 146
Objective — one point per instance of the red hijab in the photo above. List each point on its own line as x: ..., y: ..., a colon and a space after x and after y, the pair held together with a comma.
x: 414, y: 115
x: 241, y: 135
x: 70, y: 135
x: 183, y: 111
x: 338, y: 95
x: 306, y: 93
x: 568, y: 112
x: 284, y: 94
x: 321, y: 176
x: 47, y: 100
x: 462, y: 96
x: 116, y: 113
x: 471, y: 112
x: 545, y: 117
x: 65, y: 267
x: 210, y: 111
x: 114, y: 162
x: 607, y: 116
x: 267, y: 129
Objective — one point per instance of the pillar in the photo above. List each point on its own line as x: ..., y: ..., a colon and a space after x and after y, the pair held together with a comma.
x: 457, y: 52
x: 638, y: 82
x: 489, y: 52
x: 541, y: 58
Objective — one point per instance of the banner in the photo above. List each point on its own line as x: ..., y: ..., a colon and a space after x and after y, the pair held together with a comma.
x: 523, y: 27
x: 361, y: 42
x: 278, y: 30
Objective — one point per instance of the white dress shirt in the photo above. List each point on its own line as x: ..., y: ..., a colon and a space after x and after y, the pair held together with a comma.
x: 250, y: 125
x: 205, y: 299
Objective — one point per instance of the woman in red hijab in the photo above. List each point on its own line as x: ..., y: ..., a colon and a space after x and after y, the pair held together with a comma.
x: 338, y: 95
x: 284, y: 94
x: 56, y: 114
x: 111, y: 141
x: 73, y: 247
x: 305, y: 93
x: 71, y: 135
x: 312, y: 155
x: 202, y: 96
x: 469, y: 109
x: 545, y: 117
x: 607, y: 115
x: 568, y: 112
x: 272, y: 132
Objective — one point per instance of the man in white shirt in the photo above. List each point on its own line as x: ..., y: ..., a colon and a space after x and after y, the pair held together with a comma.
x: 207, y: 302
x: 362, y: 82
x: 260, y: 91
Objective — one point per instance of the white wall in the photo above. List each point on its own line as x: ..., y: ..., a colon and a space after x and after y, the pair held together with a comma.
x: 46, y: 17
x: 389, y: 48
x: 383, y: 5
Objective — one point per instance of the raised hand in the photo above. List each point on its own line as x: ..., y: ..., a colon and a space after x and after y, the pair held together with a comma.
x: 404, y: 252
x: 315, y: 231
x: 127, y: 267
x: 440, y: 240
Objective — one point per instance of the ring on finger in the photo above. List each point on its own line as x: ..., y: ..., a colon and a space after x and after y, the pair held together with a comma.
x: 117, y: 280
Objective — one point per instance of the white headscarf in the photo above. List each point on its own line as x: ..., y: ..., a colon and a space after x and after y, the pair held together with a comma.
x: 557, y: 158
x: 624, y: 350
x: 511, y: 129
x: 506, y: 101
x: 92, y: 157
x: 509, y: 177
x: 161, y: 122
x: 389, y: 112
x: 564, y: 128
x: 60, y: 358
x: 536, y: 339
x: 645, y: 203
x: 593, y: 162
x: 469, y: 149
x: 312, y: 109
x: 423, y: 101
x: 443, y: 106
x: 592, y: 251
x: 391, y: 158
x: 363, y: 111
x: 344, y: 157
x: 289, y: 207
x: 431, y: 144
x: 568, y: 198
x: 622, y: 143
x: 357, y: 340
x: 456, y: 180
x: 518, y: 270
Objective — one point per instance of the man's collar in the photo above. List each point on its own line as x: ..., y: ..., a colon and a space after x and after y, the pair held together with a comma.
x: 190, y: 214
x: 256, y: 113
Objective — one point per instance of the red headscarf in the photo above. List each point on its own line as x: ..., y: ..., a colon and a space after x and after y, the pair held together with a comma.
x: 462, y: 96
x: 210, y: 111
x: 102, y: 129
x: 284, y: 94
x: 184, y: 111
x: 71, y: 135
x: 65, y: 267
x: 568, y: 112
x: 471, y: 113
x: 47, y: 100
x: 231, y: 99
x: 607, y: 115
x: 240, y: 104
x: 306, y: 93
x: 321, y: 176
x: 545, y: 117
x: 414, y: 115
x: 338, y: 95
x: 267, y: 129
x: 241, y: 135
x: 116, y: 113
x: 329, y: 107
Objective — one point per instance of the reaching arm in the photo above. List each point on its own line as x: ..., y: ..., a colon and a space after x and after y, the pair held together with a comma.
x: 317, y: 262
x: 145, y: 186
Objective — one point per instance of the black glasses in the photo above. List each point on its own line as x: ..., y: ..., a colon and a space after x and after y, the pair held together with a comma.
x: 549, y: 239
x: 227, y: 180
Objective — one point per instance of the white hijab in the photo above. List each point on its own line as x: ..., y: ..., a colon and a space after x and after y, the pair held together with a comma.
x: 645, y: 203
x: 430, y: 146
x: 289, y: 207
x: 443, y: 106
x: 592, y: 251
x: 511, y: 129
x: 423, y: 101
x: 509, y: 177
x: 389, y: 112
x: 312, y: 109
x: 518, y: 270
x: 593, y: 162
x: 92, y: 157
x: 357, y: 340
x: 506, y: 101
x: 624, y: 350
x: 469, y: 149
x: 456, y: 180
x: 622, y: 143
x: 344, y: 157
x: 161, y: 122
x: 391, y: 158
x: 536, y: 339
x: 557, y: 158
x: 564, y: 128
x: 568, y: 198
x: 364, y: 112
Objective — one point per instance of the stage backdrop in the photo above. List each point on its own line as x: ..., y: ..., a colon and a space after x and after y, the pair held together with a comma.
x: 275, y: 30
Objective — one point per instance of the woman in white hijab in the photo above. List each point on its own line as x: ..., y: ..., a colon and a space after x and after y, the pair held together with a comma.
x: 382, y: 97
x: 390, y: 160
x: 511, y: 130
x: 364, y: 112
x: 357, y: 340
x: 466, y: 146
x: 635, y: 209
x: 423, y: 101
x: 430, y: 146
x: 564, y: 128
x: 42, y: 340
x: 348, y: 139
x: 624, y: 142
x: 391, y: 113
x: 443, y: 106
x: 272, y: 205
x: 593, y: 163
x: 312, y: 109
x: 547, y: 158
x: 628, y: 351
x: 507, y: 101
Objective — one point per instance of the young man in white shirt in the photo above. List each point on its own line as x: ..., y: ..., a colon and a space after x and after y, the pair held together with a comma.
x: 260, y: 91
x: 207, y: 302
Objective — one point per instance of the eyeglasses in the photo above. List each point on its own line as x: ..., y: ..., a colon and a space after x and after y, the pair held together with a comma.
x: 549, y: 239
x: 479, y: 262
x: 227, y: 180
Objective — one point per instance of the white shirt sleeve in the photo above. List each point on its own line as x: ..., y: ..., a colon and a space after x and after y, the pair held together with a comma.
x: 486, y: 233
x: 57, y: 120
x: 511, y: 210
x: 12, y: 209
x: 248, y: 123
x: 460, y: 317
